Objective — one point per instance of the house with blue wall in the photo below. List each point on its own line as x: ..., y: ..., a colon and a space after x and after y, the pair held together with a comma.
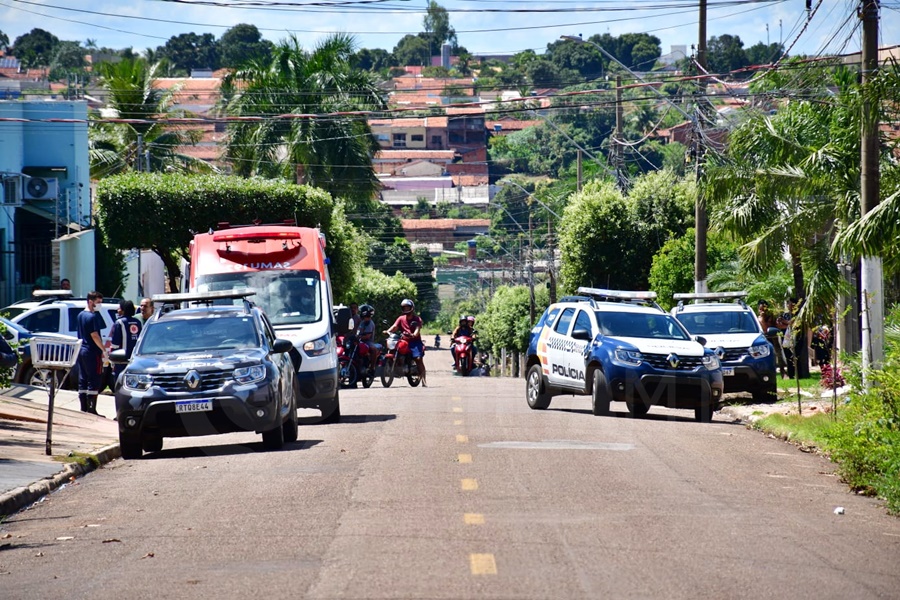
x: 45, y: 198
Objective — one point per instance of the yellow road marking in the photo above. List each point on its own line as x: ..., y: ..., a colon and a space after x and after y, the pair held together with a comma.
x: 482, y: 564
x: 465, y: 458
x: 458, y: 422
x: 456, y: 398
x: 473, y: 519
x: 462, y: 439
x: 469, y: 485
x: 457, y: 409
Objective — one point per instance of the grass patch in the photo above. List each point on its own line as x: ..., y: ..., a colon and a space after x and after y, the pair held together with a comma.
x: 808, y: 430
x: 80, y: 458
x: 809, y: 384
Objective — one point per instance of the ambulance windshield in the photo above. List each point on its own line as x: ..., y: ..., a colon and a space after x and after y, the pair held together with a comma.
x: 287, y: 297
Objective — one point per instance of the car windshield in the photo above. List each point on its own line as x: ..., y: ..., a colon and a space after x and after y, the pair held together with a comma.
x: 717, y: 322
x: 12, y: 312
x: 640, y: 325
x: 198, y: 334
x: 287, y: 297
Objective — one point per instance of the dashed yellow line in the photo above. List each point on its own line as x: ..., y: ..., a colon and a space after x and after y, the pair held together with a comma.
x: 469, y: 485
x: 482, y: 564
x: 458, y: 422
x: 457, y: 409
x: 465, y: 459
x: 473, y: 519
x: 456, y: 398
x: 462, y: 439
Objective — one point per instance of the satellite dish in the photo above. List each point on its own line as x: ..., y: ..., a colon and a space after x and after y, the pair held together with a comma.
x: 37, y: 187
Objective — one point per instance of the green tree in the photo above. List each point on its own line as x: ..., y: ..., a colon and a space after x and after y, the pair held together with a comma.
x: 330, y: 151
x: 437, y: 28
x: 412, y: 50
x: 586, y: 59
x: 114, y: 147
x: 68, y: 56
x: 506, y: 322
x: 763, y: 54
x: 383, y: 292
x: 375, y: 59
x: 189, y: 51
x: 4, y: 42
x: 417, y: 265
x: 672, y: 271
x: 725, y: 53
x: 35, y: 48
x: 243, y: 43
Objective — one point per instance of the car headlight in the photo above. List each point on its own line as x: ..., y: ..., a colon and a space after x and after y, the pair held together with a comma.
x: 629, y: 357
x: 759, y: 350
x: 317, y: 347
x: 249, y: 374
x: 710, y: 361
x: 138, y: 381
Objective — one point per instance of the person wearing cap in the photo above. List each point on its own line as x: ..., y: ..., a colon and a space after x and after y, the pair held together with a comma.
x: 410, y: 325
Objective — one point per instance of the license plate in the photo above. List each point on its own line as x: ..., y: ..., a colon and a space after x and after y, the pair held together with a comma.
x: 192, y: 406
x: 727, y: 371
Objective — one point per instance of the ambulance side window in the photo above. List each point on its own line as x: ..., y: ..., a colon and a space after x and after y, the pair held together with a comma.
x: 562, y: 324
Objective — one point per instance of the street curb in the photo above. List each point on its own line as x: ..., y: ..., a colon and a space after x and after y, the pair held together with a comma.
x: 16, y: 499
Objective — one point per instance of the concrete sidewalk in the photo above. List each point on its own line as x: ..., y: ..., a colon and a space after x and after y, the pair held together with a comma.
x: 26, y: 472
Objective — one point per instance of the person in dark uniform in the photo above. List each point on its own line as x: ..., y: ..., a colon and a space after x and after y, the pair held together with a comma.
x: 125, y: 333
x: 90, y: 358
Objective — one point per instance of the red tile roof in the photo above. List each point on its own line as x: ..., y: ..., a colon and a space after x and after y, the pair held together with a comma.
x: 444, y: 224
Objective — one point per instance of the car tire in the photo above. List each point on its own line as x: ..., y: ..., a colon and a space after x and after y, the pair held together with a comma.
x: 765, y: 396
x: 152, y: 443
x: 348, y: 375
x: 600, y: 394
x: 130, y: 445
x: 704, y: 412
x: 291, y: 427
x: 638, y: 408
x: 335, y: 415
x: 538, y: 398
x: 274, y: 438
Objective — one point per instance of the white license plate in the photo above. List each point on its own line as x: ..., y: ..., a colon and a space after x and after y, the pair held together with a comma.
x: 727, y: 371
x: 192, y: 406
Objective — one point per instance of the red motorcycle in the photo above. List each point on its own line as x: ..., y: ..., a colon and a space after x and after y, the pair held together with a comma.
x: 353, y: 362
x: 463, y: 354
x: 398, y: 361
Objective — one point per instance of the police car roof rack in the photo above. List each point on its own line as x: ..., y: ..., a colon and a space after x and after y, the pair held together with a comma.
x: 601, y: 295
x: 711, y: 297
x: 169, y: 301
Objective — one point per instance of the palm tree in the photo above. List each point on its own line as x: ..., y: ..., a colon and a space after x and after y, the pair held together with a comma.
x: 289, y: 118
x: 140, y: 108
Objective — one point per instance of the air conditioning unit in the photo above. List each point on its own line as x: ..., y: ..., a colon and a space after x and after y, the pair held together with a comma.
x: 11, y: 194
x: 41, y: 188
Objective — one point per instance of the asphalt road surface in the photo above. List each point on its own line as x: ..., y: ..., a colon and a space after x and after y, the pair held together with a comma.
x: 459, y: 491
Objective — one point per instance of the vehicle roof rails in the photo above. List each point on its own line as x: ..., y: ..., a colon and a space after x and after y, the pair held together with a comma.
x: 711, y: 296
x: 168, y: 301
x: 626, y: 297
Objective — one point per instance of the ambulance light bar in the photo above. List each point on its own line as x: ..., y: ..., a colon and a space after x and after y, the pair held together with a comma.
x: 256, y: 236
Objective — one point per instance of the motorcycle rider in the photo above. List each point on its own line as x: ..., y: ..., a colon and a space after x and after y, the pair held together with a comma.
x: 365, y: 333
x: 461, y: 329
x: 410, y: 325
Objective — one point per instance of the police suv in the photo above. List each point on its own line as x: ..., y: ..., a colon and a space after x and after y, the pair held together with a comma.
x: 733, y: 332
x: 617, y: 345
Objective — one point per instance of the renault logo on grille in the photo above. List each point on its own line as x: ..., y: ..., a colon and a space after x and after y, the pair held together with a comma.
x: 720, y: 352
x: 673, y: 360
x: 192, y: 379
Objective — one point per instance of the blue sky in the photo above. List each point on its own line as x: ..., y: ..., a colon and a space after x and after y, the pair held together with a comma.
x: 834, y: 27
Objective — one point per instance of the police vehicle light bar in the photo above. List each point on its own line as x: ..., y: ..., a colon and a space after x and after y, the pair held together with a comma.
x: 598, y: 294
x: 51, y: 293
x: 710, y: 296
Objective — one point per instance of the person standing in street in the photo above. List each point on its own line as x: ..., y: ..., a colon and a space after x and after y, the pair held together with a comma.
x: 146, y: 309
x: 125, y: 333
x: 92, y: 354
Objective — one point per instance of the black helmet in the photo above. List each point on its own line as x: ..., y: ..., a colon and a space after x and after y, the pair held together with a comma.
x: 407, y: 305
x: 462, y: 320
x: 366, y: 311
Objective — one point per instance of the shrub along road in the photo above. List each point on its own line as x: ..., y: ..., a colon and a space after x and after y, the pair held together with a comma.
x: 459, y: 490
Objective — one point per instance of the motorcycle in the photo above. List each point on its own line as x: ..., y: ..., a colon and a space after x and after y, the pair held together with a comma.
x: 464, y: 356
x: 353, y: 362
x: 398, y: 362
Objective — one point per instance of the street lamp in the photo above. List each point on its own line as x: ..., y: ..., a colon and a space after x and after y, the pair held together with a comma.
x: 700, y: 224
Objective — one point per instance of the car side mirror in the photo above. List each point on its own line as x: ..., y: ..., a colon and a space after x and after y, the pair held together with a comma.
x: 700, y: 340
x: 343, y: 319
x: 773, y: 331
x: 280, y: 346
x: 118, y: 357
x: 582, y: 334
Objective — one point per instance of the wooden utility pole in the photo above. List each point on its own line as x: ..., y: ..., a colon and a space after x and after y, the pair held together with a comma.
x: 531, y: 308
x: 871, y: 278
x: 578, y: 163
x: 617, y: 149
x: 700, y: 223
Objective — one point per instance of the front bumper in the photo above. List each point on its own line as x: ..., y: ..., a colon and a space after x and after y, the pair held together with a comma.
x: 666, y: 388
x: 318, y: 389
x: 749, y: 377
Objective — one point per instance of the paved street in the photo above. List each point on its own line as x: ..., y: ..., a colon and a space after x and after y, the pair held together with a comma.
x: 459, y: 490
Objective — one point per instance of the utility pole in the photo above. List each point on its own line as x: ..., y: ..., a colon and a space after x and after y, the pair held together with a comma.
x: 871, y: 279
x: 700, y: 223
x: 552, y: 275
x: 530, y: 266
x: 140, y: 151
x: 618, y: 153
x: 578, y: 163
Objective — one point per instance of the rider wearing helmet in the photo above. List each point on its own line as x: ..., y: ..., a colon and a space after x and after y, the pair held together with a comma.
x: 410, y: 325
x: 366, y: 335
x: 463, y: 329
